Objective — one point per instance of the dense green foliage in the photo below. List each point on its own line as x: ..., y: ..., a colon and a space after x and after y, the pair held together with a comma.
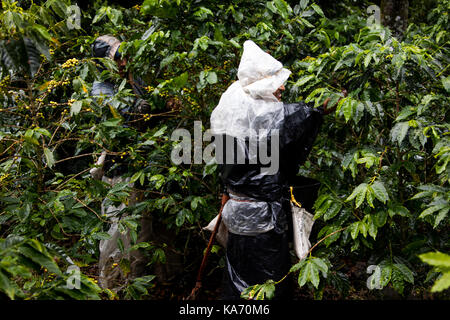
x: 382, y: 158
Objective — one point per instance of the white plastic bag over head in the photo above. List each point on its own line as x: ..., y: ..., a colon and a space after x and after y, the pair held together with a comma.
x: 248, y: 105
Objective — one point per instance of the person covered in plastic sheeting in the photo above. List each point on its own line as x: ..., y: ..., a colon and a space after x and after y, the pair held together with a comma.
x: 107, y: 46
x: 260, y: 143
x: 111, y: 170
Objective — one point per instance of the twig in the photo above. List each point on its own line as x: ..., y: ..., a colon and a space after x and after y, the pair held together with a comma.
x: 79, y: 173
x: 54, y: 216
x: 310, y: 250
x: 318, y: 242
x: 56, y: 130
x: 1, y: 154
x: 85, y: 205
x: 78, y: 156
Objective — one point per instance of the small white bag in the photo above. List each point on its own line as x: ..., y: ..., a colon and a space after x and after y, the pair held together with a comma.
x: 302, y: 222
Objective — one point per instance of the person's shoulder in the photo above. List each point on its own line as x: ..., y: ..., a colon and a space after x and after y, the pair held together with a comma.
x: 295, y: 107
x: 301, y: 106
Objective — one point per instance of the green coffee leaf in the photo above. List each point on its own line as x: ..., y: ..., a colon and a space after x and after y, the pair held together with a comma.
x: 359, y: 193
x: 380, y: 191
x: 49, y: 157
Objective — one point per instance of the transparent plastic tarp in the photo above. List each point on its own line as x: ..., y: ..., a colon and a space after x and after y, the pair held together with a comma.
x: 247, y: 216
x: 110, y: 254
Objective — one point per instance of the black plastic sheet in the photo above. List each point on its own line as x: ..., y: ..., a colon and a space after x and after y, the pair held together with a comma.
x: 297, y: 134
x: 252, y: 260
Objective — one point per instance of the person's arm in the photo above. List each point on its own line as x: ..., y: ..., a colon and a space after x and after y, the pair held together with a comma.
x: 333, y: 108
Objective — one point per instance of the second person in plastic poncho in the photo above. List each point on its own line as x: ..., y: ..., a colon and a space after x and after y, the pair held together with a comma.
x: 250, y: 111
